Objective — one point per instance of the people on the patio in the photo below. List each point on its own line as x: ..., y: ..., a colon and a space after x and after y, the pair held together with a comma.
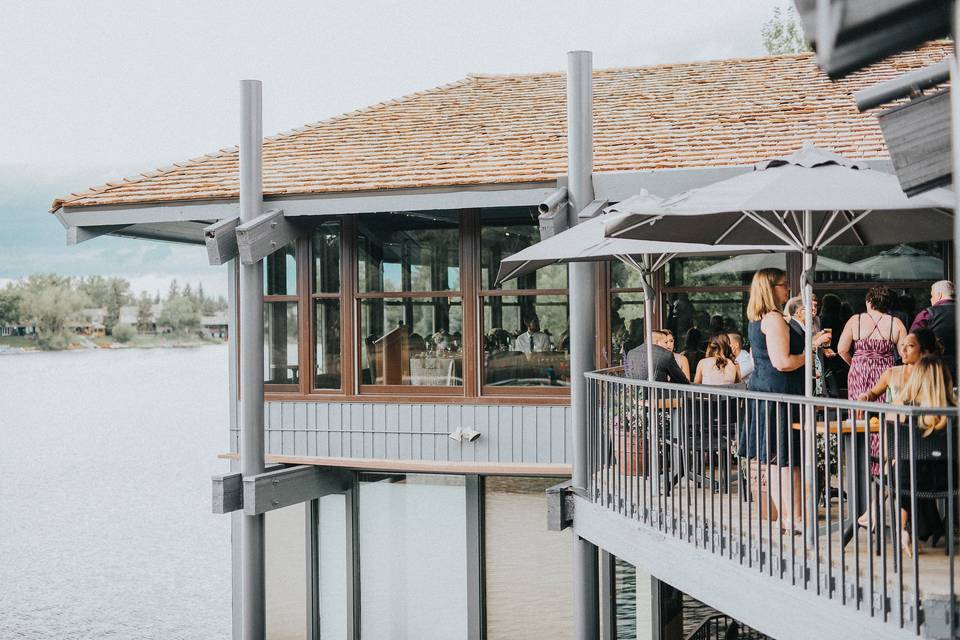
x: 718, y: 367
x: 835, y: 369
x: 929, y: 385
x: 665, y: 366
x: 742, y: 356
x: 693, y: 347
x: 867, y: 344
x: 940, y: 317
x: 664, y: 337
x: 778, y: 368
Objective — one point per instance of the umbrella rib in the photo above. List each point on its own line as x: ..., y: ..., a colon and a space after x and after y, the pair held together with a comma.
x: 826, y: 227
x: 663, y: 260
x: 786, y: 237
x: 636, y: 225
x: 849, y: 225
x: 796, y: 224
x: 723, y: 236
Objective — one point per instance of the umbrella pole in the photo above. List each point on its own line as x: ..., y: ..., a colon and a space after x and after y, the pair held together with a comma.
x: 646, y: 275
x: 809, y: 461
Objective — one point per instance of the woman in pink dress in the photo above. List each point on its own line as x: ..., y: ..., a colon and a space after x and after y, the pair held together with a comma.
x: 868, y: 344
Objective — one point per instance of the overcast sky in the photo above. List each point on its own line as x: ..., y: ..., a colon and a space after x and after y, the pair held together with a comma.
x: 98, y: 90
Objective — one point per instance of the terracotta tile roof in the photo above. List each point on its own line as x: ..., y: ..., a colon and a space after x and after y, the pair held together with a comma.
x: 490, y: 129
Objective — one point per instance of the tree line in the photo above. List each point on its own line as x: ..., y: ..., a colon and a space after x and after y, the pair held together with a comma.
x: 47, y: 302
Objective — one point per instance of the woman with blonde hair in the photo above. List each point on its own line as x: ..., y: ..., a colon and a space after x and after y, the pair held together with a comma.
x: 929, y: 385
x: 778, y: 368
x: 718, y: 367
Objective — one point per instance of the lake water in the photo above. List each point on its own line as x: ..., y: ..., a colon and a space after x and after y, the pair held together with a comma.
x: 105, y: 522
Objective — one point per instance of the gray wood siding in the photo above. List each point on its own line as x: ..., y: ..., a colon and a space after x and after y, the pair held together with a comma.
x: 508, y: 433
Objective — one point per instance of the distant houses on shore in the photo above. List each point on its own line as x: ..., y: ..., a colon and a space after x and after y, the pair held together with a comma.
x: 92, y: 322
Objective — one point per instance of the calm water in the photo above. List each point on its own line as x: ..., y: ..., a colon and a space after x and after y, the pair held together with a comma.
x: 105, y: 523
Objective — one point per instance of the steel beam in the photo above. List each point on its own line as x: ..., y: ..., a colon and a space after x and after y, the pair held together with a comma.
x: 586, y: 615
x: 76, y: 235
x: 268, y: 232
x: 476, y: 605
x: 287, y: 486
x: 251, y: 360
x: 227, y: 492
x: 221, y: 241
x: 312, y: 554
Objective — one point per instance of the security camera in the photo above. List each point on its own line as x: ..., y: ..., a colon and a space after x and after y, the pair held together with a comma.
x: 470, y: 435
x: 456, y: 435
x: 554, y: 200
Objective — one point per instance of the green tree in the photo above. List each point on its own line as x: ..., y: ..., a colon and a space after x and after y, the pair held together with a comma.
x: 783, y: 33
x: 118, y: 295
x: 96, y: 288
x: 180, y: 314
x: 144, y: 312
x: 9, y: 305
x: 48, y: 301
x: 173, y: 291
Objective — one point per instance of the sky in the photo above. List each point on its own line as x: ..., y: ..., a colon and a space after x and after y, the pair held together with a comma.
x: 96, y: 90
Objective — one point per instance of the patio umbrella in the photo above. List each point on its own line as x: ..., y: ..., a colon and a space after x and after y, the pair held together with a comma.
x: 808, y: 200
x: 755, y: 262
x: 586, y: 242
x: 903, y: 262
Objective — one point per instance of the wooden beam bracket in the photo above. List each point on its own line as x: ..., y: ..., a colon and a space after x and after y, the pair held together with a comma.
x: 560, y: 506
x: 221, y: 241
x: 289, y: 485
x: 268, y: 232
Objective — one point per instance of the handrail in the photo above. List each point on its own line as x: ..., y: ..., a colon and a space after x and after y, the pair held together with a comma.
x: 837, y: 403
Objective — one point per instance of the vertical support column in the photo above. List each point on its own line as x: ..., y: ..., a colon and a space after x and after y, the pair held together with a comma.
x: 251, y: 359
x: 236, y: 570
x: 955, y: 146
x: 608, y: 596
x: 475, y: 562
x: 353, y: 558
x: 667, y: 611
x: 582, y: 287
x: 312, y: 556
x: 809, y: 439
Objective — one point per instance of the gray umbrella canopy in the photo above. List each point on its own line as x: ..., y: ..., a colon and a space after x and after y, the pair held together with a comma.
x: 902, y: 262
x: 848, y: 204
x: 755, y: 262
x: 586, y: 242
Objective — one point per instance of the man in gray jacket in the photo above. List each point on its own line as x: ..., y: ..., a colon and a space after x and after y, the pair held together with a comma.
x: 665, y: 367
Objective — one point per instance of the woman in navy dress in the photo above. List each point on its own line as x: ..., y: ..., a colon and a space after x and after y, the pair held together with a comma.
x: 768, y: 435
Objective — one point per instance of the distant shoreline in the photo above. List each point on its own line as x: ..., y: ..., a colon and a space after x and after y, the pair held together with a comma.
x: 147, y: 342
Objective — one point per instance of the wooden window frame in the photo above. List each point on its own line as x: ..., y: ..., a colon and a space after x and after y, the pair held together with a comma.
x: 346, y: 371
x: 298, y: 299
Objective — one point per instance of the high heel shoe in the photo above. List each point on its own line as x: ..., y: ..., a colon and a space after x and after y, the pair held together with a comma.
x: 864, y: 522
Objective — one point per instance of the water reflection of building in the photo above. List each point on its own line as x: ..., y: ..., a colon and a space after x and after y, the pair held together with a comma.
x: 386, y: 331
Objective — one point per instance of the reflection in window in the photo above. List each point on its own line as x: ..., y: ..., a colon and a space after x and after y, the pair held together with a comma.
x: 281, y: 358
x: 284, y: 562
x: 408, y: 251
x: 700, y: 314
x: 280, y: 272
x: 626, y: 324
x: 526, y: 340
x: 326, y: 258
x: 325, y: 246
x: 528, y: 569
x: 326, y: 315
x: 413, y: 565
x: 412, y: 341
x: 903, y: 262
x: 505, y: 232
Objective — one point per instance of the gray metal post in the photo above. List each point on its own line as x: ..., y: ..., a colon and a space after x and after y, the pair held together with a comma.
x: 809, y: 439
x: 236, y: 570
x: 586, y: 616
x: 955, y: 142
x: 251, y: 358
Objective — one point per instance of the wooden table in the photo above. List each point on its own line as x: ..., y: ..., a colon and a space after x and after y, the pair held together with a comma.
x: 855, y: 433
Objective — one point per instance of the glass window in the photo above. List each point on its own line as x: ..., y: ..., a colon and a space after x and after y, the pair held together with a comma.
x: 413, y: 565
x: 626, y: 324
x: 281, y: 357
x: 528, y: 569
x: 706, y: 312
x: 715, y: 271
x: 280, y: 272
x: 526, y: 340
x: 412, y: 341
x: 284, y: 565
x: 898, y: 263
x: 325, y: 246
x: 326, y: 258
x: 505, y: 232
x: 624, y: 277
x: 408, y: 251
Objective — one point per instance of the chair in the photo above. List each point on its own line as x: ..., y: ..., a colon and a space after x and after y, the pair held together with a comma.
x: 710, y: 418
